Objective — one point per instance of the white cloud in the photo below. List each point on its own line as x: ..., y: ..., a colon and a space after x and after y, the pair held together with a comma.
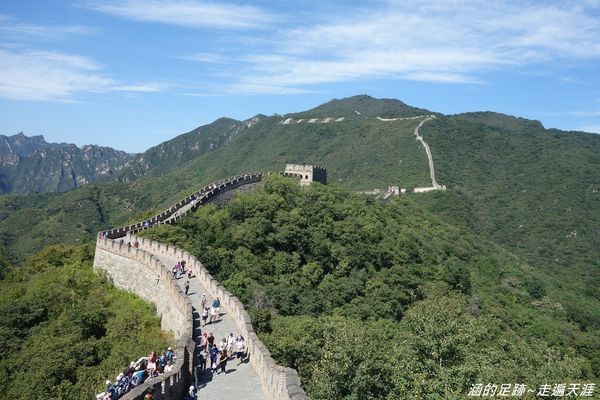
x: 55, y: 76
x: 11, y: 26
x: 148, y: 87
x: 188, y: 13
x: 436, y: 41
x: 593, y: 128
x: 585, y: 113
x: 212, y: 58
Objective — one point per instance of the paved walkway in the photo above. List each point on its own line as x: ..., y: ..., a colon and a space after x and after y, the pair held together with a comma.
x: 239, y: 381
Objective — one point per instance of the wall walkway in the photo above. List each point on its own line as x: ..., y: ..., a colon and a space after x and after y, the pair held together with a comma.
x: 145, y: 269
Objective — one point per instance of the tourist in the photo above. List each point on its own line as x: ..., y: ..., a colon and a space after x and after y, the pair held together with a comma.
x: 170, y: 355
x: 230, y: 343
x: 223, y: 360
x: 203, y: 358
x: 187, y: 287
x: 204, y: 316
x: 162, y: 360
x: 203, y: 341
x: 214, y: 311
x: 214, y: 357
x: 138, y: 378
x: 240, y: 349
x: 203, y: 301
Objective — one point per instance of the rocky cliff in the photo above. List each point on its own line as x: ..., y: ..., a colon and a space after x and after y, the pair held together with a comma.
x: 32, y: 165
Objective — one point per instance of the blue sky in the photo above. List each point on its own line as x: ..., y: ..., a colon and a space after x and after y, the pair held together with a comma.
x: 133, y: 73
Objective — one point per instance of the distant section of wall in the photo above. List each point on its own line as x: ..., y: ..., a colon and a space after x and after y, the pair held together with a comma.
x: 139, y: 272
x: 279, y: 383
x: 192, y: 202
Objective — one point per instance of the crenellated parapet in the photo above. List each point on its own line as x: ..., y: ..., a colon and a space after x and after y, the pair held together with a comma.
x: 278, y: 383
x: 140, y: 272
x: 307, y: 173
x: 134, y: 264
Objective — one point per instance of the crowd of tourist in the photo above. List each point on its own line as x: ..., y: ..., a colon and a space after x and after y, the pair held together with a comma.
x: 150, y: 367
x: 220, y: 353
x: 138, y: 372
x: 179, y: 270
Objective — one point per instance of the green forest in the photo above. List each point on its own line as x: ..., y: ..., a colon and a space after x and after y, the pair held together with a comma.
x: 372, y: 301
x: 496, y: 279
x: 64, y: 329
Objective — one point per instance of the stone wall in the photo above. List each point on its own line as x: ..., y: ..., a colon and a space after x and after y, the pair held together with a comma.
x: 139, y: 272
x: 279, y: 383
x: 192, y: 202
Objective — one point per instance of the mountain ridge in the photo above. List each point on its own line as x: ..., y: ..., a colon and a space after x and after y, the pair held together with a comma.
x: 29, y: 164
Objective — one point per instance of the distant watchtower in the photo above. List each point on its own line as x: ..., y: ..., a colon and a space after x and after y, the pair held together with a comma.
x: 309, y: 173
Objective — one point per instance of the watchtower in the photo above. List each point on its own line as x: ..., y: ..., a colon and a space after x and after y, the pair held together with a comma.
x: 308, y: 173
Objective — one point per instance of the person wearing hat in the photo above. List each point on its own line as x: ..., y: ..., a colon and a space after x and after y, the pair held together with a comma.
x: 169, y: 354
x: 203, y: 301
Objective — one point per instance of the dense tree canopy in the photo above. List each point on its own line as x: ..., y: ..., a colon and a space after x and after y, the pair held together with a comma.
x: 371, y: 300
x: 64, y: 330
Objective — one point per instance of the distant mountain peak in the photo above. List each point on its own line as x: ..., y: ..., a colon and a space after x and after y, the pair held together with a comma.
x: 29, y: 164
x: 365, y: 106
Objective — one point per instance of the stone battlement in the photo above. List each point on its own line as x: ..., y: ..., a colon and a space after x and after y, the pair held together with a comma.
x: 139, y: 272
x: 138, y: 269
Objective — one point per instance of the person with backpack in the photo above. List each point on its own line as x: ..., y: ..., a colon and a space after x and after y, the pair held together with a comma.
x: 170, y: 354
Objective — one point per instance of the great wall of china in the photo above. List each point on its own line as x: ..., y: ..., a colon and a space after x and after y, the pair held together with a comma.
x: 144, y: 269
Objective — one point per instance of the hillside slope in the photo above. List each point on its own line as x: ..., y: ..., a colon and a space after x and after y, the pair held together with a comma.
x: 176, y: 153
x: 531, y: 190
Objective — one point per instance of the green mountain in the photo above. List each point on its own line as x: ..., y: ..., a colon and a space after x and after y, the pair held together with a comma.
x: 533, y: 191
x: 364, y: 105
x: 177, y: 153
x: 519, y: 221
x: 31, y: 165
